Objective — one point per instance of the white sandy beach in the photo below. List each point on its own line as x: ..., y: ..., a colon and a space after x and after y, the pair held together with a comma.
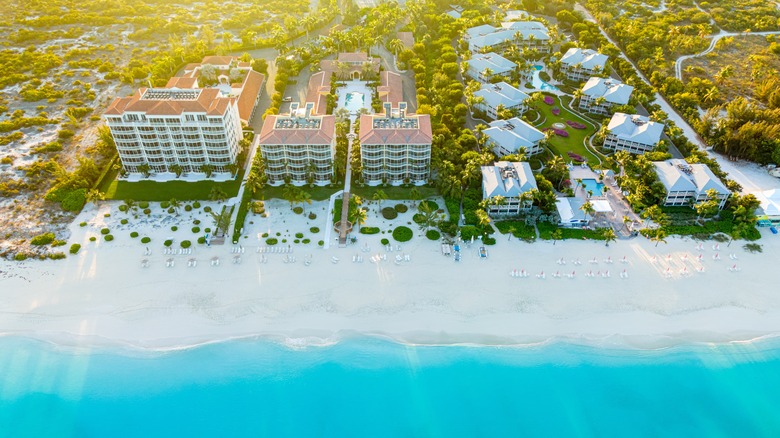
x: 104, y: 296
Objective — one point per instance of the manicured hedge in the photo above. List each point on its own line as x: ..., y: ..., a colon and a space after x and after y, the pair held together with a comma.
x: 403, y: 234
x: 384, y: 241
x: 185, y: 244
x: 105, y: 231
x: 432, y: 234
x: 314, y: 230
x: 168, y: 242
x: 146, y: 239
x: 369, y: 230
x: 109, y: 237
x: 389, y: 213
x: 271, y: 241
x: 134, y: 234
x: 74, y: 249
x: 432, y: 204
x: 401, y: 208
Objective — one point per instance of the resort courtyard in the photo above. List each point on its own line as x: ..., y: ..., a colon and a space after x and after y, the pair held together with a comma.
x: 354, y: 95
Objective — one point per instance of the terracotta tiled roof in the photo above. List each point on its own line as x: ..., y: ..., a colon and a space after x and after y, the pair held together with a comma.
x: 318, y: 90
x: 182, y: 82
x: 420, y: 135
x: 208, y: 101
x: 253, y: 83
x: 324, y: 134
x: 353, y: 57
x: 218, y: 60
x: 390, y: 87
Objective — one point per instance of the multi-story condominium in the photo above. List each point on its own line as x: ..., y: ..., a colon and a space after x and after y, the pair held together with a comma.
x: 509, y: 136
x: 599, y: 95
x: 484, y: 66
x: 501, y: 94
x: 163, y: 128
x: 231, y: 76
x: 298, y: 148
x: 507, y: 180
x: 579, y: 64
x: 521, y: 34
x: 632, y: 133
x: 688, y: 183
x: 395, y: 147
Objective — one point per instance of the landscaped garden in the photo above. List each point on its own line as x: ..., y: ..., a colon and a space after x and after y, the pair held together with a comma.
x: 572, y: 138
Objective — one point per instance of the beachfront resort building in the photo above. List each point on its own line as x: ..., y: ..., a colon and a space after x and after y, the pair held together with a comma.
x: 492, y: 97
x: 507, y: 137
x: 395, y: 147
x: 579, y: 64
x: 632, y: 133
x: 521, y: 34
x: 485, y: 66
x: 688, y: 183
x: 504, y: 184
x: 352, y: 65
x: 298, y: 147
x: 175, y: 130
x: 600, y: 95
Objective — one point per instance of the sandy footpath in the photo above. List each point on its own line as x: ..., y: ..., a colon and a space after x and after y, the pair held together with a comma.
x: 630, y: 293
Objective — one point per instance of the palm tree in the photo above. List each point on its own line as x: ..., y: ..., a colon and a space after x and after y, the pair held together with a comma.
x: 177, y: 169
x: 291, y: 195
x: 609, y: 236
x: 208, y: 169
x: 304, y: 197
x: 358, y: 217
x: 659, y: 236
x: 588, y: 209
x: 221, y: 220
x: 145, y: 169
x: 430, y: 216
x: 254, y: 182
x: 217, y: 194
x: 379, y: 196
x: 175, y: 204
x: 94, y: 196
x: 414, y: 194
x: 556, y: 235
x: 626, y: 221
x: 130, y: 204
x: 395, y: 45
x: 482, y: 217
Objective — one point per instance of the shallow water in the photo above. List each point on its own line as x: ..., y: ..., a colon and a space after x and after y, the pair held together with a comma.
x: 372, y: 387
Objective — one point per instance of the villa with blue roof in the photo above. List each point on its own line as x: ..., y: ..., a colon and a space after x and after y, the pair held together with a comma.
x: 579, y: 64
x: 501, y: 94
x: 507, y: 137
x: 507, y: 181
x: 599, y: 95
x: 632, y: 133
x: 484, y: 66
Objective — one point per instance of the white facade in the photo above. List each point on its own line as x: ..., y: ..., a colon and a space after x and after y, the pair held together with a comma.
x: 507, y: 137
x: 687, y: 184
x: 632, y: 133
x: 484, y: 66
x: 163, y: 128
x: 579, y: 64
x: 507, y: 181
x: 298, y: 148
x: 495, y: 95
x: 599, y: 95
x: 522, y: 34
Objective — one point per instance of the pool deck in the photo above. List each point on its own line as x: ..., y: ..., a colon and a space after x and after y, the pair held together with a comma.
x: 354, y: 87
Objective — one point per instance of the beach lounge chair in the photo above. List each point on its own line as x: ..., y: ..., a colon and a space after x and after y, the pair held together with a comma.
x: 407, y: 257
x: 483, y: 253
x: 334, y: 259
x: 398, y: 258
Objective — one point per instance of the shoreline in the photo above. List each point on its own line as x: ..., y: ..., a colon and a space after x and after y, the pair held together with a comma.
x: 676, y: 293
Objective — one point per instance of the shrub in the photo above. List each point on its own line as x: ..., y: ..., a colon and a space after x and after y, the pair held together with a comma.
x: 196, y: 204
x: 83, y: 224
x: 296, y: 241
x: 171, y: 210
x: 58, y: 243
x: 109, y: 237
x: 271, y: 241
x: 147, y: 211
x: 196, y: 222
x: 168, y: 242
x: 202, y: 240
x: 384, y: 241
x: 448, y: 228
x: 401, y: 208
x: 165, y: 204
x: 306, y: 240
x: 403, y: 234
x: 123, y: 208
x: 105, y: 231
x: 196, y: 230
x: 92, y: 239
x: 389, y: 213
x: 432, y: 234
x: 57, y: 255
x: 134, y: 234
x: 278, y: 234
x: 188, y: 207
x: 124, y: 221
x: 42, y: 239
x: 469, y: 231
x: 185, y: 244
x: 298, y: 210
x: 487, y: 240
x: 299, y: 235
x: 321, y: 243
x: 174, y: 228
x: 75, y: 248
x: 20, y: 257
x: 265, y: 235
x: 74, y: 200
x: 207, y: 230
x: 432, y: 204
x: 418, y: 218
x: 207, y: 209
x: 312, y: 216
x: 146, y: 239
x: 143, y: 205
x: 314, y: 230
x: 369, y: 230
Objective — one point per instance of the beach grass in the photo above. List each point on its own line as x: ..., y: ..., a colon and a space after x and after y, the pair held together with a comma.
x: 575, y: 142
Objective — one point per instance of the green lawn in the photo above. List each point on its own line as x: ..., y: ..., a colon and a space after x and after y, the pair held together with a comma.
x: 575, y: 141
x: 164, y: 191
x: 367, y: 193
x: 317, y: 193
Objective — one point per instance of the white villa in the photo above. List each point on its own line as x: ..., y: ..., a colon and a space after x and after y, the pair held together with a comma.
x: 484, y: 66
x: 632, y: 133
x: 162, y: 130
x: 578, y: 64
x: 509, y: 180
x: 599, y: 95
x: 395, y: 147
x: 298, y: 147
x: 570, y: 212
x: 523, y: 34
x: 688, y: 183
x: 495, y: 95
x: 509, y: 136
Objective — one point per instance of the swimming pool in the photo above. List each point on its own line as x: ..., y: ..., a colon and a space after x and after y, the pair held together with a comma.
x: 593, y: 186
x: 353, y: 101
x: 538, y: 83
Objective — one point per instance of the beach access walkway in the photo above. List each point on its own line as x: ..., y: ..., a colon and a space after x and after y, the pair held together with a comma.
x: 343, y: 224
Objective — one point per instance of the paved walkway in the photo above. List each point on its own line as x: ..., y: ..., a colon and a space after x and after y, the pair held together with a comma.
x: 345, y: 199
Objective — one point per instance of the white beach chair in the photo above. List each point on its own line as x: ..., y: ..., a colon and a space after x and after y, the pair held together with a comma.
x: 334, y: 259
x: 407, y: 257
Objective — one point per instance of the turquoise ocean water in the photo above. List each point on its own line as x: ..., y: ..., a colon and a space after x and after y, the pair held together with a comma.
x: 369, y: 387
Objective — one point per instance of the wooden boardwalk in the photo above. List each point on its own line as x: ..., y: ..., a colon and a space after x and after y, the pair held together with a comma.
x: 343, y: 228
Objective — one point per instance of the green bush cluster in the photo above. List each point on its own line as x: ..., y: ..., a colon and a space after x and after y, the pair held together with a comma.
x: 403, y: 234
x: 124, y: 221
x: 143, y: 205
x: 168, y: 242
x: 271, y: 241
x: 487, y: 240
x: 312, y: 216
x: 105, y: 231
x: 369, y: 230
x: 109, y: 237
x: 75, y: 248
x: 196, y: 230
x: 146, y: 239
x: 314, y: 230
x: 42, y: 239
x: 196, y: 204
x: 432, y: 204
x: 298, y: 210
x: 306, y: 240
x: 134, y: 234
x: 299, y: 235
x: 401, y: 208
x: 389, y: 213
x: 188, y: 207
x: 185, y: 244
x: 384, y: 241
x: 56, y: 256
x: 202, y: 240
x: 432, y: 235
